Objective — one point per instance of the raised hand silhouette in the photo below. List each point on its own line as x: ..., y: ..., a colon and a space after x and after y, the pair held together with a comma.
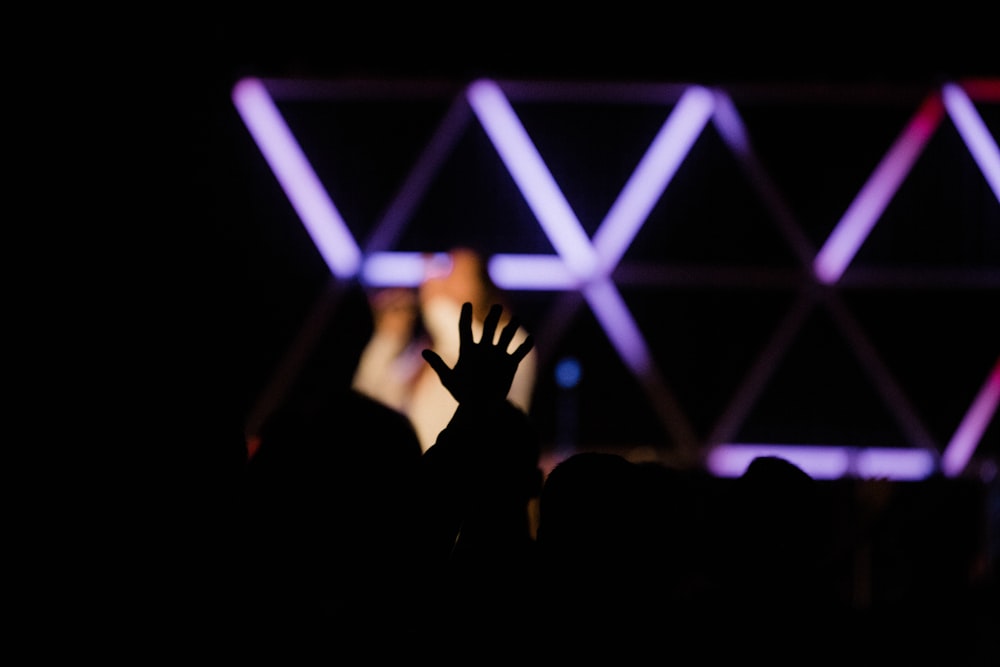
x: 485, y: 370
x: 478, y: 481
x: 406, y: 320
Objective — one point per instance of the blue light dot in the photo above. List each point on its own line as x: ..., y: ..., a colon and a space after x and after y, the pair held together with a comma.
x: 568, y: 373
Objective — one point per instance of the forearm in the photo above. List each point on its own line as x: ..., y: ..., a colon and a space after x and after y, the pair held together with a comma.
x: 379, y: 374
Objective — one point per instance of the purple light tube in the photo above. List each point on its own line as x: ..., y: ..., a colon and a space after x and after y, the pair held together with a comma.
x: 852, y: 230
x: 394, y: 269
x: 531, y: 272
x: 891, y: 463
x: 616, y: 320
x: 826, y: 461
x: 730, y: 126
x: 974, y: 133
x: 819, y: 462
x: 295, y: 175
x: 969, y: 432
x: 652, y: 175
x: 533, y: 178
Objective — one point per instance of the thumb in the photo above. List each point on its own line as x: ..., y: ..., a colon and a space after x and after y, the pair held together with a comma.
x: 436, y: 362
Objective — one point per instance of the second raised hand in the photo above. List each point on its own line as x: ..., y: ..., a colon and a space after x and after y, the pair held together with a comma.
x: 484, y: 370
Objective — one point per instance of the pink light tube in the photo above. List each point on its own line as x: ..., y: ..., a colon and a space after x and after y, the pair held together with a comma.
x: 974, y: 133
x: 301, y: 184
x: 852, y: 230
x: 533, y: 178
x: 962, y: 445
x: 651, y: 177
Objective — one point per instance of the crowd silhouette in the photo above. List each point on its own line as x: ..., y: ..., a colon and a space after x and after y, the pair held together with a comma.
x: 345, y: 532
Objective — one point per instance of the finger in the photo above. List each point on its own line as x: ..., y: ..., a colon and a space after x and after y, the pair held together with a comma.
x: 465, y: 325
x: 507, y: 333
x: 437, y: 363
x: 490, y: 323
x: 523, y: 349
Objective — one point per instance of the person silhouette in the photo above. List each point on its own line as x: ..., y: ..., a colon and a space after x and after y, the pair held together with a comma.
x: 478, y: 479
x: 328, y: 502
x: 619, y: 546
x: 777, y: 570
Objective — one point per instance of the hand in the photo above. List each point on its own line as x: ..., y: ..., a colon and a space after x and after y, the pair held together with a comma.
x: 395, y: 312
x: 485, y: 370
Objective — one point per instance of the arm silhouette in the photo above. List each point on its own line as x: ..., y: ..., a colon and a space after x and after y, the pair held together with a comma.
x: 482, y: 469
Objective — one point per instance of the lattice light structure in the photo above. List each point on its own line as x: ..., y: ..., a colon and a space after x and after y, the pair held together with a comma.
x: 585, y: 266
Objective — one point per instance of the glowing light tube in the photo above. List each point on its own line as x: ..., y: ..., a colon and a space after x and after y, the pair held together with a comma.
x: 531, y: 272
x: 817, y: 461
x: 891, y: 463
x: 616, y: 320
x: 826, y: 461
x: 652, y: 175
x: 852, y: 230
x: 394, y: 269
x: 532, y: 177
x: 321, y: 218
x: 963, y: 444
x: 974, y: 133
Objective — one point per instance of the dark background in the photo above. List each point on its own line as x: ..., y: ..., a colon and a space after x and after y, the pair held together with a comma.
x: 213, y: 276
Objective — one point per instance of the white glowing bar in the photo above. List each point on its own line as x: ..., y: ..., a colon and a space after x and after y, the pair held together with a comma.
x: 533, y: 178
x: 654, y: 172
x: 531, y: 272
x: 852, y: 230
x: 323, y: 222
x: 394, y: 269
x: 962, y: 445
x: 617, y: 322
x: 974, y: 133
x: 827, y: 462
x: 898, y: 464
